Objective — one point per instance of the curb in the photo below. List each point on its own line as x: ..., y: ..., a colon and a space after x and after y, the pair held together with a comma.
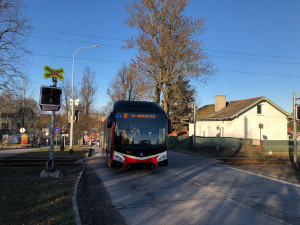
x: 74, y: 201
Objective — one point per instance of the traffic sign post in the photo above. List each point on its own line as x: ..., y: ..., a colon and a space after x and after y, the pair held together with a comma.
x: 56, y: 130
x: 22, y: 131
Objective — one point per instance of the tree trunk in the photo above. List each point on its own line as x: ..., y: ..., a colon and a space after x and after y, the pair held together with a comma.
x: 157, y: 94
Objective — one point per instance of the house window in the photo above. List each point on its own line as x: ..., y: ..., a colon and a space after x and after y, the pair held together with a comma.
x: 260, y: 109
x: 4, y: 126
x: 199, y: 131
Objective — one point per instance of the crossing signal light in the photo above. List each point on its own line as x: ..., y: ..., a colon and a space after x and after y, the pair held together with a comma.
x: 76, y: 115
x: 297, y: 112
x: 50, y: 98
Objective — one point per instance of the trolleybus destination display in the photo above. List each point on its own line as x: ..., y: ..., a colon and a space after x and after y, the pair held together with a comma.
x: 126, y: 115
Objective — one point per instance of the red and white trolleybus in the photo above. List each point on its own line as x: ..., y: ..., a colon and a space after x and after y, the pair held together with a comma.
x: 136, y: 132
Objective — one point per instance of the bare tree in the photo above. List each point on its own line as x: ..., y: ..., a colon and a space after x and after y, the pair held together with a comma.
x: 24, y: 96
x: 88, y: 90
x: 168, y: 46
x: 13, y: 27
x: 21, y: 98
x: 67, y: 94
x: 7, y: 103
x: 125, y: 85
x: 24, y: 100
x: 87, y: 97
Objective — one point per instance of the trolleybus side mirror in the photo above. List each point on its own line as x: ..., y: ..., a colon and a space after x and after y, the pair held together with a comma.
x: 109, y: 122
x: 169, y: 126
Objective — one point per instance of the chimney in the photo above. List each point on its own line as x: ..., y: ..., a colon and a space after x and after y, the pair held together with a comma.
x: 220, y: 102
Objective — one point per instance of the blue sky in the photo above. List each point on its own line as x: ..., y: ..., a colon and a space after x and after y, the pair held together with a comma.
x: 253, y: 44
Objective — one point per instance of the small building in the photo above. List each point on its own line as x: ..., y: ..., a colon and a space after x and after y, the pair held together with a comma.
x: 256, y: 118
x: 12, y: 122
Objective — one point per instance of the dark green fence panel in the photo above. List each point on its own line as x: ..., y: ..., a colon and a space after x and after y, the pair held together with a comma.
x: 229, y: 143
x: 279, y: 146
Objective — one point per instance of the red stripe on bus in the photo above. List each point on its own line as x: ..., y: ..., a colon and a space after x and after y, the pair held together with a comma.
x: 129, y: 160
x: 112, y: 145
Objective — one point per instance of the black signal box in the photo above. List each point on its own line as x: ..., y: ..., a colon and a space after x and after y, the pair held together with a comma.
x: 50, y: 98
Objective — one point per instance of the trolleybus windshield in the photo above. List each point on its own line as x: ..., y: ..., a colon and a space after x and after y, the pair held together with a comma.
x: 140, y: 129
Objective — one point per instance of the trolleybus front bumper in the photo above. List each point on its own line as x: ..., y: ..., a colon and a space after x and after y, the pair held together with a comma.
x: 124, y: 160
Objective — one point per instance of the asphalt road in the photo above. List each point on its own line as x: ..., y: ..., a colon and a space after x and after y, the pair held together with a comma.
x: 196, y: 190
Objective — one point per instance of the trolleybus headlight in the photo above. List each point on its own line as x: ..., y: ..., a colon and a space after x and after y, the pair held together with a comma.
x: 162, y: 157
x: 119, y: 157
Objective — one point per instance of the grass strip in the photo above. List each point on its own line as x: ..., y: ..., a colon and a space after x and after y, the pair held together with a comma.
x: 25, y: 198
x: 43, y: 153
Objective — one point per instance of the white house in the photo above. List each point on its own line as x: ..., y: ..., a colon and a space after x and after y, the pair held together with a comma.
x: 255, y: 118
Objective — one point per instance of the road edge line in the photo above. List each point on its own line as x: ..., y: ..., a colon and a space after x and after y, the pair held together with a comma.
x: 264, y: 176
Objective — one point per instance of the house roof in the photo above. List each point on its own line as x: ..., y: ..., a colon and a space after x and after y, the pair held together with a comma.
x: 234, y: 109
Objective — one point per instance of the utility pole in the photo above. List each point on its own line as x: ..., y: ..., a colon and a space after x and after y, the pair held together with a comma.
x: 295, y: 159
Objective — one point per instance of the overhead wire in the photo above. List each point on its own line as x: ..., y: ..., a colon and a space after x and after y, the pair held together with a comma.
x: 208, y: 49
x: 120, y: 46
x: 126, y: 62
x: 84, y: 42
x: 79, y: 58
x: 78, y: 34
x: 214, y: 50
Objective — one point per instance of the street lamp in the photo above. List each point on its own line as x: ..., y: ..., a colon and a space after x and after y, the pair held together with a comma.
x: 72, y: 100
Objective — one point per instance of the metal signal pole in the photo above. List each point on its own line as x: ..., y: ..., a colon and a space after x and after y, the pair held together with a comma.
x: 50, y: 163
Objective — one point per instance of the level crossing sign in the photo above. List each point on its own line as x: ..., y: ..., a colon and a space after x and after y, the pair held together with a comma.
x: 54, y: 73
